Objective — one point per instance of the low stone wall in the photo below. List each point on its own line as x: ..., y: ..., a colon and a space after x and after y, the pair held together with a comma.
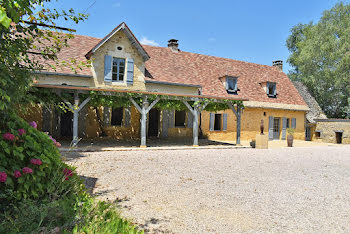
x: 328, y: 129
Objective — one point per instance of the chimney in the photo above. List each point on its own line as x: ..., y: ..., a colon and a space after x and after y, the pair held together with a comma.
x: 173, y: 45
x: 278, y: 64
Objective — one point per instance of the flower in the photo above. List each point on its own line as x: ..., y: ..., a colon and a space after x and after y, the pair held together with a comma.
x: 36, y: 161
x: 21, y: 131
x: 8, y: 136
x: 57, y: 144
x: 68, y: 173
x: 33, y: 124
x: 3, y: 177
x: 17, y: 174
x: 27, y: 170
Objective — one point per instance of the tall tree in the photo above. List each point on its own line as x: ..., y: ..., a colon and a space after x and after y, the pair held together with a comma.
x: 29, y: 41
x: 320, y: 57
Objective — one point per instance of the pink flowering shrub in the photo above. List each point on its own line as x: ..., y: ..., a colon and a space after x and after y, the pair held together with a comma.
x: 30, y: 163
x: 8, y: 136
x: 3, y: 177
x: 33, y: 124
x: 27, y: 170
x: 36, y: 161
x: 21, y: 131
x: 17, y: 174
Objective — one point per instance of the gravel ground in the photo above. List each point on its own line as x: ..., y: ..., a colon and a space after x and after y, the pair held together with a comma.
x: 289, y: 190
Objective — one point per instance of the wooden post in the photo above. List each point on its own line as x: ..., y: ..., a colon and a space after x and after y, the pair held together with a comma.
x: 195, y: 112
x: 238, y: 114
x: 144, y: 111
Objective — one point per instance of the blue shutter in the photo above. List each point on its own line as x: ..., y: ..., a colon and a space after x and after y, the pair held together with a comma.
x: 235, y: 84
x: 271, y: 127
x: 224, y: 122
x: 108, y: 68
x: 130, y: 75
x: 284, y: 127
x: 189, y: 119
x: 211, y: 121
x: 127, y: 116
x: 165, y: 123
x: 294, y: 123
x: 171, y: 119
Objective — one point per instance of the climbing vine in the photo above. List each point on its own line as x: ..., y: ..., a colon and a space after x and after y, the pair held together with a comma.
x: 47, y: 97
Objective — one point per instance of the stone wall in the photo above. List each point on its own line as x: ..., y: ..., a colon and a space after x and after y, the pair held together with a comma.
x: 250, y: 125
x: 328, y: 128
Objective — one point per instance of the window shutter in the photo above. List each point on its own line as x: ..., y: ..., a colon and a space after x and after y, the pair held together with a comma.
x: 171, y: 119
x: 284, y: 127
x: 211, y: 121
x: 189, y: 119
x: 108, y: 68
x: 271, y: 127
x: 224, y: 122
x: 267, y: 88
x: 235, y: 84
x: 294, y: 123
x: 226, y: 84
x: 106, y: 116
x: 130, y: 75
x: 165, y: 123
x: 127, y: 116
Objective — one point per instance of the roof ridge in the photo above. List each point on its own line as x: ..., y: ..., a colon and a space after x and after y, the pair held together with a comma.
x: 229, y: 59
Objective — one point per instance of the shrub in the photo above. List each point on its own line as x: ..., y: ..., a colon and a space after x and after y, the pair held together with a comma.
x: 30, y: 164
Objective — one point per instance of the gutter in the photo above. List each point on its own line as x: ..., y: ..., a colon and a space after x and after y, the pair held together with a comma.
x: 170, y: 83
x: 63, y: 74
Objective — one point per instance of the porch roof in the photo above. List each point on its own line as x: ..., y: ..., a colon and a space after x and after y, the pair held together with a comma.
x: 174, y: 96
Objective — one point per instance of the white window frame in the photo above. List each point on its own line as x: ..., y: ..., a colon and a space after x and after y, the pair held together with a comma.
x: 234, y: 81
x: 268, y: 84
x: 117, y: 73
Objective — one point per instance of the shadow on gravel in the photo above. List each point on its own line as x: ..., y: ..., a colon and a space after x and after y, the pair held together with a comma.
x: 154, y: 225
x: 90, y: 183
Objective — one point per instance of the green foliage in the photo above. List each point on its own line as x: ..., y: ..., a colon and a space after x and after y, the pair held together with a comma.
x: 27, y: 48
x: 47, y: 179
x: 321, y: 60
x: 290, y: 131
x: 104, y: 218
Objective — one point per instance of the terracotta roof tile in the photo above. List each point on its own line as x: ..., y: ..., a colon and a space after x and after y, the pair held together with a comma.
x: 197, y: 69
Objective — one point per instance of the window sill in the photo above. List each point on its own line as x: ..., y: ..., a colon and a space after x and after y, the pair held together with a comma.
x: 119, y: 83
x: 272, y: 96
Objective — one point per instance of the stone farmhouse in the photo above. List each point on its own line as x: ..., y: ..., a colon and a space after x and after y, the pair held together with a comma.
x: 120, y: 64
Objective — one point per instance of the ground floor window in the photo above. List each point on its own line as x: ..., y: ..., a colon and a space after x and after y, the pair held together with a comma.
x: 117, y: 116
x: 217, y: 122
x: 180, y: 118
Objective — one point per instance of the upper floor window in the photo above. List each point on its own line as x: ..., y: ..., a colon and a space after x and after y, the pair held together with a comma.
x: 271, y: 89
x: 118, y: 69
x: 231, y: 85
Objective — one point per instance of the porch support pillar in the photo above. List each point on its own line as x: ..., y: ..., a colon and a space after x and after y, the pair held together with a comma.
x: 195, y: 112
x: 75, y: 109
x: 144, y: 109
x: 238, y: 113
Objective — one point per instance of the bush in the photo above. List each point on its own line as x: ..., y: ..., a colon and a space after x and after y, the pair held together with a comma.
x: 30, y: 165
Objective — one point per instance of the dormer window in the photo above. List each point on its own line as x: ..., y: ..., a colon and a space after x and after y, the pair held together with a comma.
x: 118, y: 70
x: 271, y: 89
x: 231, y: 85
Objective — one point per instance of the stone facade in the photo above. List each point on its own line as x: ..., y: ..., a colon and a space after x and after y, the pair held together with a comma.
x: 328, y: 130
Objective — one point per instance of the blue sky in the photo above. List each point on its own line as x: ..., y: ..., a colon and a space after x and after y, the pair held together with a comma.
x: 253, y: 31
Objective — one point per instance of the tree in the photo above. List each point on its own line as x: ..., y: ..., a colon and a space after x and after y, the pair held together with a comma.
x: 29, y: 42
x: 320, y: 57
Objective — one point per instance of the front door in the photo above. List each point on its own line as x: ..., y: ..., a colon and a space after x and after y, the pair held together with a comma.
x: 153, y: 123
x: 276, y: 128
x: 308, y: 134
x: 67, y: 124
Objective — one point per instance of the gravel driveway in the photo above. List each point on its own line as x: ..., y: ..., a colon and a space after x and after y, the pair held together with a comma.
x: 299, y: 190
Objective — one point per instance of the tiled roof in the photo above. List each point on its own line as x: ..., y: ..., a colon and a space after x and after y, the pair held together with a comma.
x: 197, y: 69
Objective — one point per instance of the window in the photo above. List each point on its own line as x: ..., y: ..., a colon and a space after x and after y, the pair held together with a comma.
x: 118, y: 69
x: 117, y: 117
x: 271, y: 89
x: 217, y: 122
x: 287, y: 123
x: 180, y: 118
x: 231, y: 85
x: 318, y: 134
